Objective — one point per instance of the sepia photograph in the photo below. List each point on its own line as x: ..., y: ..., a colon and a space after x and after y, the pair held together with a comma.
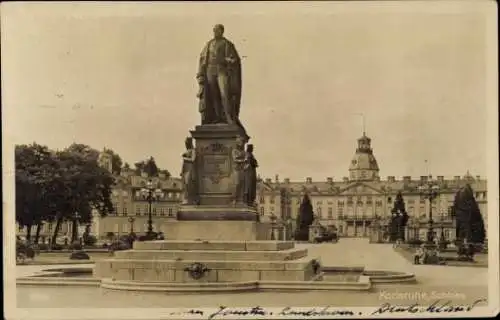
x: 250, y: 160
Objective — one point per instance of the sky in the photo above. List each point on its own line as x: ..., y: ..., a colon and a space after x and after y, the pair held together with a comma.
x: 122, y: 76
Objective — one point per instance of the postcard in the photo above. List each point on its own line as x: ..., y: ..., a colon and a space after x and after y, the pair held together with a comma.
x: 250, y: 160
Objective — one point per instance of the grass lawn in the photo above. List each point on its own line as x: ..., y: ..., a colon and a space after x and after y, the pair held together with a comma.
x: 480, y: 259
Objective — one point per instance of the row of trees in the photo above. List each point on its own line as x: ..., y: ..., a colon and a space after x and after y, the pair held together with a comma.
x: 58, y: 186
x: 64, y: 185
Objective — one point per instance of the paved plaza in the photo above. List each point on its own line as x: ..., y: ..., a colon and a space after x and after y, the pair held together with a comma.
x: 458, y: 284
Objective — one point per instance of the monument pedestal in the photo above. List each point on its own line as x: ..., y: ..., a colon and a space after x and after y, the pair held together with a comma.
x: 189, y: 263
x: 217, y: 230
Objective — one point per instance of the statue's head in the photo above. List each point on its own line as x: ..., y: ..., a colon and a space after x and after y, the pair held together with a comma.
x: 250, y: 148
x: 189, y: 143
x: 218, y: 31
x: 240, y: 142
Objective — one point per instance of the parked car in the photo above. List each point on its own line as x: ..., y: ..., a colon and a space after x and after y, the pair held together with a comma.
x: 326, y: 237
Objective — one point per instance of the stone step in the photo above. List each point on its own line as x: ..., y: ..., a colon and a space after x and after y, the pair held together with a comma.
x: 214, y: 245
x: 216, y: 271
x: 283, y: 255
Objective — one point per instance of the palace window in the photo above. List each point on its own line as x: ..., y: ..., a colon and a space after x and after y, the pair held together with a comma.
x: 261, y: 211
x: 319, y: 212
x: 271, y: 201
x: 50, y: 227
x: 125, y: 211
x: 330, y: 213
x: 170, y: 212
x: 261, y: 199
x: 137, y: 211
x: 340, y: 204
x: 154, y: 211
x: 162, y: 211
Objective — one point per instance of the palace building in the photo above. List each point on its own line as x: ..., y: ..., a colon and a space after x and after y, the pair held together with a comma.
x: 351, y: 204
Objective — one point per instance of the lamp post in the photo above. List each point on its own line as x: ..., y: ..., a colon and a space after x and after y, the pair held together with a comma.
x: 429, y: 191
x: 273, y: 223
x: 151, y: 194
x: 131, y: 221
x: 75, y: 227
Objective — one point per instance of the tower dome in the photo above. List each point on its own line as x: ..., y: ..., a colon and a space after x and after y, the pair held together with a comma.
x: 363, y: 165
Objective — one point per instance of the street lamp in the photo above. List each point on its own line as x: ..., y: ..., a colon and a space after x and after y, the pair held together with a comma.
x: 273, y: 224
x: 150, y: 194
x: 442, y: 237
x: 75, y: 227
x: 429, y: 191
x: 131, y: 221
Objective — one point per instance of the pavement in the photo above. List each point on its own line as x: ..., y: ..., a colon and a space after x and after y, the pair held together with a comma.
x: 457, y: 284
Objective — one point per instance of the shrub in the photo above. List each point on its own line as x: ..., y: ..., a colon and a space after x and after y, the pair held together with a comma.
x: 43, y: 246
x: 75, y: 246
x: 57, y: 246
x: 79, y: 255
x: 415, y: 242
x: 89, y: 240
x: 30, y: 252
x: 119, y: 245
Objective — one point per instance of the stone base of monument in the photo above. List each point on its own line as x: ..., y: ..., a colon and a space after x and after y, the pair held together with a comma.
x: 219, y: 230
x: 182, y: 265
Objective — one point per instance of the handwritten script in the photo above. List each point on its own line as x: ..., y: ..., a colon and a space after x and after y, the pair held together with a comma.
x: 224, y: 312
x: 438, y: 306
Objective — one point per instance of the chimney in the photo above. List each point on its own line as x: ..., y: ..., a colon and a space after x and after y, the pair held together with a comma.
x: 440, y: 178
x: 407, y: 179
x: 329, y: 180
x: 277, y: 178
x: 345, y: 179
x: 391, y: 178
x: 309, y: 180
x: 268, y: 180
x: 287, y: 180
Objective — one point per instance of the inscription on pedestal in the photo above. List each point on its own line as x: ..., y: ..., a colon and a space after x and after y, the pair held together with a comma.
x: 215, y: 166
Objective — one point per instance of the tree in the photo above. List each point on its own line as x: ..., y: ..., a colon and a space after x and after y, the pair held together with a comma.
x: 82, y: 186
x: 399, y: 218
x: 126, y: 166
x: 35, y: 168
x: 151, y: 168
x: 304, y: 219
x: 469, y: 221
x: 139, y: 167
x: 116, y: 161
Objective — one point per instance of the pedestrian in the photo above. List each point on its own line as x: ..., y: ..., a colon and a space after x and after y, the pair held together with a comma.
x: 417, y: 255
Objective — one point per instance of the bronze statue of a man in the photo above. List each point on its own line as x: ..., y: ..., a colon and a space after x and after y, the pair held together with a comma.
x: 219, y: 77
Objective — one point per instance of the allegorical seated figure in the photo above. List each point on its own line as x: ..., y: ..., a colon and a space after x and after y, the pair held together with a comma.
x: 238, y: 180
x: 189, y: 174
x: 250, y: 169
